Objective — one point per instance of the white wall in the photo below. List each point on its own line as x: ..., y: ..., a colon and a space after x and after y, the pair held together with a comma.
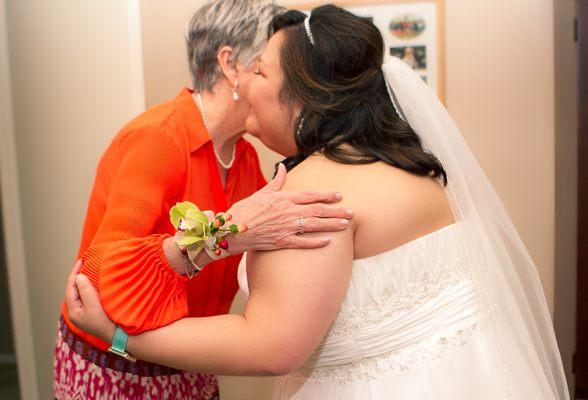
x: 72, y: 88
x: 500, y: 90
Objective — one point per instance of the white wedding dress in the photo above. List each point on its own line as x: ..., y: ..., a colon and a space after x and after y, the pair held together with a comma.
x: 410, y: 328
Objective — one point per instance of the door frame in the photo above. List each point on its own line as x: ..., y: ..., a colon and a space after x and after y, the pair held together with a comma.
x: 10, y: 194
x: 581, y: 356
x: 11, y: 215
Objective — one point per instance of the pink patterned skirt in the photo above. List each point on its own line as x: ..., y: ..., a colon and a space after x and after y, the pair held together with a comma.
x: 83, y: 372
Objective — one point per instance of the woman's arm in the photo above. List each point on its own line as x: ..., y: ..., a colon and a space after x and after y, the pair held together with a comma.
x: 126, y: 260
x: 295, y: 295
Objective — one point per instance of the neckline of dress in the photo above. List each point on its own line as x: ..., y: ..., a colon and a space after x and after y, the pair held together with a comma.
x: 409, y: 243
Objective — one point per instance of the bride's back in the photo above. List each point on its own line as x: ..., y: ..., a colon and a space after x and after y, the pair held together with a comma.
x: 391, y: 206
x: 409, y: 320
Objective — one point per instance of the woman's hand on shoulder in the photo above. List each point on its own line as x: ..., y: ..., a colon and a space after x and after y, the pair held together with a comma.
x: 272, y: 217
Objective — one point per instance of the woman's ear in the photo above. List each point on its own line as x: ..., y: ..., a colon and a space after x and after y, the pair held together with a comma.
x: 296, y: 108
x: 228, y: 65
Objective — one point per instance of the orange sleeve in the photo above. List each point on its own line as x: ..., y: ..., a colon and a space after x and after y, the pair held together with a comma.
x: 126, y: 261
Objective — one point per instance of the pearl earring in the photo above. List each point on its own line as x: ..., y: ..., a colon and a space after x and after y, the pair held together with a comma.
x: 235, y: 93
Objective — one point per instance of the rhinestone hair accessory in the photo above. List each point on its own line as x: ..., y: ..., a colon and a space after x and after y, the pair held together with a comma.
x: 307, y: 29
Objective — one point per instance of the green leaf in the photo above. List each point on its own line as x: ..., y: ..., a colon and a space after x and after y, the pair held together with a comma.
x: 189, y: 240
x: 234, y: 229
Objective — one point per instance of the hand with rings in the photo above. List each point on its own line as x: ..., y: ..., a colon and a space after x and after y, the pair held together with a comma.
x: 278, y: 219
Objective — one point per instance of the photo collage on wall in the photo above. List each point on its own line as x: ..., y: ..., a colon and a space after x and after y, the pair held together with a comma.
x: 409, y: 27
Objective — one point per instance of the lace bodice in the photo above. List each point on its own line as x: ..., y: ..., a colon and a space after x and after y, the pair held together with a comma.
x: 403, y: 305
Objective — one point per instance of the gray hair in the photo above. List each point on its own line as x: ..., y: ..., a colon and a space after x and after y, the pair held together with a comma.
x: 240, y: 24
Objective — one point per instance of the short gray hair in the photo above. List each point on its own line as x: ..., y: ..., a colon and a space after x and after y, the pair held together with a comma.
x: 240, y: 24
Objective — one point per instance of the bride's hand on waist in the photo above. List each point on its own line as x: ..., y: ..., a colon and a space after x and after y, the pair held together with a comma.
x: 273, y: 218
x: 84, y: 308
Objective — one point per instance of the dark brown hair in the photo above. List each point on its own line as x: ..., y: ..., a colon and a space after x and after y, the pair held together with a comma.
x: 347, y: 114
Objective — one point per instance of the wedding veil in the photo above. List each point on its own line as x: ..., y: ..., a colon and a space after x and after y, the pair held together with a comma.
x: 521, y: 332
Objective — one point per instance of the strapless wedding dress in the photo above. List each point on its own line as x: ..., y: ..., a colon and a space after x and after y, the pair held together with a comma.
x: 411, y: 327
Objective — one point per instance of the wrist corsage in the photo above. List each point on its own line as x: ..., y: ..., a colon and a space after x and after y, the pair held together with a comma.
x: 197, y: 230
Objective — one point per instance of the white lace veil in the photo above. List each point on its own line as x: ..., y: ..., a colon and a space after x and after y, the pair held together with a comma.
x: 521, y: 333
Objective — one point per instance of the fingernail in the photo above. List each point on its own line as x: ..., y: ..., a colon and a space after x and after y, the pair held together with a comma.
x: 344, y: 222
x: 326, y: 240
x: 338, y: 196
x: 350, y: 213
x: 81, y: 278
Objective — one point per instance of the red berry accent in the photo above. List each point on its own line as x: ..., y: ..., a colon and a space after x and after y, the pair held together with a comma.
x: 218, y: 252
x: 223, y: 244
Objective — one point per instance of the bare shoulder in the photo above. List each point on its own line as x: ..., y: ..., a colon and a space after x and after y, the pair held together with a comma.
x: 316, y: 172
x: 365, y: 183
x: 391, y: 206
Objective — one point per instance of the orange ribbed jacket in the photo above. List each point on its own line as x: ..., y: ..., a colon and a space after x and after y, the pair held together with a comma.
x: 162, y: 157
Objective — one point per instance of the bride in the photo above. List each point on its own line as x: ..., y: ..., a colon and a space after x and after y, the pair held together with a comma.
x: 431, y: 293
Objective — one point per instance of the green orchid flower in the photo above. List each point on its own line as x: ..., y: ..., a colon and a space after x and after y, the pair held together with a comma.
x: 197, y: 229
x: 193, y: 225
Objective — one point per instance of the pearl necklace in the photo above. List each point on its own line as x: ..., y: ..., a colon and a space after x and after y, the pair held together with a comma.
x: 202, y: 112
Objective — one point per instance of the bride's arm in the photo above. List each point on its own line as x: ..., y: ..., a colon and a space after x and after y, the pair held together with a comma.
x: 295, y: 295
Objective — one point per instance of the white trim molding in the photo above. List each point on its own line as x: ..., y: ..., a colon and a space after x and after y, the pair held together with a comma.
x: 11, y: 214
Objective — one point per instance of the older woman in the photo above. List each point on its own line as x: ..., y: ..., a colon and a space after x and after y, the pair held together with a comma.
x: 189, y: 148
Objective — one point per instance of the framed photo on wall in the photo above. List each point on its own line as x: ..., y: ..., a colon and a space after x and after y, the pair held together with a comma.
x: 413, y: 30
